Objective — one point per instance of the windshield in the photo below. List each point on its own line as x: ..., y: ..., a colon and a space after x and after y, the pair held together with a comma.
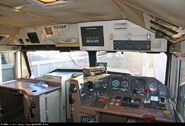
x: 43, y: 62
x: 135, y: 63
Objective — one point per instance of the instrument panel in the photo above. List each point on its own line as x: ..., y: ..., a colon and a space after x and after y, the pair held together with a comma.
x: 136, y: 88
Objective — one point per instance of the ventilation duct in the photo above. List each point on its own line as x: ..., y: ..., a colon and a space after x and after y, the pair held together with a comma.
x: 164, y: 29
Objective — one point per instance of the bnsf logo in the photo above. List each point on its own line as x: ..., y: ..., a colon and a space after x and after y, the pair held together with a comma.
x: 60, y: 26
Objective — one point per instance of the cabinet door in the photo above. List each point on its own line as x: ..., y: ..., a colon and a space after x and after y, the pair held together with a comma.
x: 52, y: 106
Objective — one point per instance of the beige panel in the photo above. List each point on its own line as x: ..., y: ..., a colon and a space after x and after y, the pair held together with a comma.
x: 168, y: 10
x: 131, y: 13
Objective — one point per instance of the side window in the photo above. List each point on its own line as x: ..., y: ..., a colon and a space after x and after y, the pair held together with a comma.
x: 7, y: 65
x: 174, y: 77
x: 24, y: 67
x: 181, y: 91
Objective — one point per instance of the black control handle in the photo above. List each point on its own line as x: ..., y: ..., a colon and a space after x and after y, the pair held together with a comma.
x: 71, y: 101
x: 72, y: 89
x: 32, y: 106
x: 1, y: 110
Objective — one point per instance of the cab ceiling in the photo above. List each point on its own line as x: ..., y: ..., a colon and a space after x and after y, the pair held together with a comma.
x: 31, y: 14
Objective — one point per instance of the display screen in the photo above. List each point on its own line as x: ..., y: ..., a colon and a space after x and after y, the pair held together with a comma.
x: 92, y: 36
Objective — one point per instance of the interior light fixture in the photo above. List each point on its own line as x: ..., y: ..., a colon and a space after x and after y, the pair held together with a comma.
x: 50, y: 1
x: 47, y: 1
x: 18, y: 8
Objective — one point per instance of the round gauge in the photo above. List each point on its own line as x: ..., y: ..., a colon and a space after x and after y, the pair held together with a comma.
x: 124, y: 84
x: 153, y: 86
x: 115, y: 83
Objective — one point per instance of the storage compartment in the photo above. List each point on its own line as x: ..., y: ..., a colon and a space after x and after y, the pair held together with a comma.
x: 12, y: 108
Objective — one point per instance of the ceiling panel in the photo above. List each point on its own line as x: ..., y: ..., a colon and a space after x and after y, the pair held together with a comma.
x: 169, y: 10
x: 79, y: 11
x: 90, y: 10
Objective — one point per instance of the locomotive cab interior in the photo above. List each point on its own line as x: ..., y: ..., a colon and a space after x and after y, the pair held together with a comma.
x: 92, y: 61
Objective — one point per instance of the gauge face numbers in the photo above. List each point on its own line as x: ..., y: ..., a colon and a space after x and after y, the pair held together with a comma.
x: 124, y: 85
x: 115, y: 84
x: 153, y: 86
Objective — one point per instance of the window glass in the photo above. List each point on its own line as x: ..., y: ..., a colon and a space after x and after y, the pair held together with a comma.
x: 8, y: 65
x: 181, y: 91
x: 43, y: 62
x: 24, y: 67
x: 135, y: 63
x: 174, y: 78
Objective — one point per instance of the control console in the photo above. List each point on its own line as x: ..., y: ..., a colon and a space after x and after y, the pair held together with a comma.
x: 123, y: 90
x: 119, y: 97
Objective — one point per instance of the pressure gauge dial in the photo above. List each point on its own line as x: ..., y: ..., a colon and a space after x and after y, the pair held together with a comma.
x: 153, y: 87
x: 115, y: 83
x: 124, y: 84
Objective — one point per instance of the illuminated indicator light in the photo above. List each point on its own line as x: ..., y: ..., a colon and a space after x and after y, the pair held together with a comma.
x: 149, y: 118
x: 117, y: 104
x: 166, y: 113
x: 147, y: 90
x: 111, y: 103
x: 101, y: 99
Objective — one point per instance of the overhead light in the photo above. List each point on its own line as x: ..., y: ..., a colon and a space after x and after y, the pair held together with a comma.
x: 18, y: 8
x: 49, y: 3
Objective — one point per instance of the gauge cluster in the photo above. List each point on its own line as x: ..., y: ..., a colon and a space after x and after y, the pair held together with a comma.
x: 137, y: 85
x: 93, y: 88
x: 125, y: 84
x: 120, y: 82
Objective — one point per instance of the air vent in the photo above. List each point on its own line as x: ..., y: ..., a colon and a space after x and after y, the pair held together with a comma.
x: 163, y: 28
x: 119, y: 26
